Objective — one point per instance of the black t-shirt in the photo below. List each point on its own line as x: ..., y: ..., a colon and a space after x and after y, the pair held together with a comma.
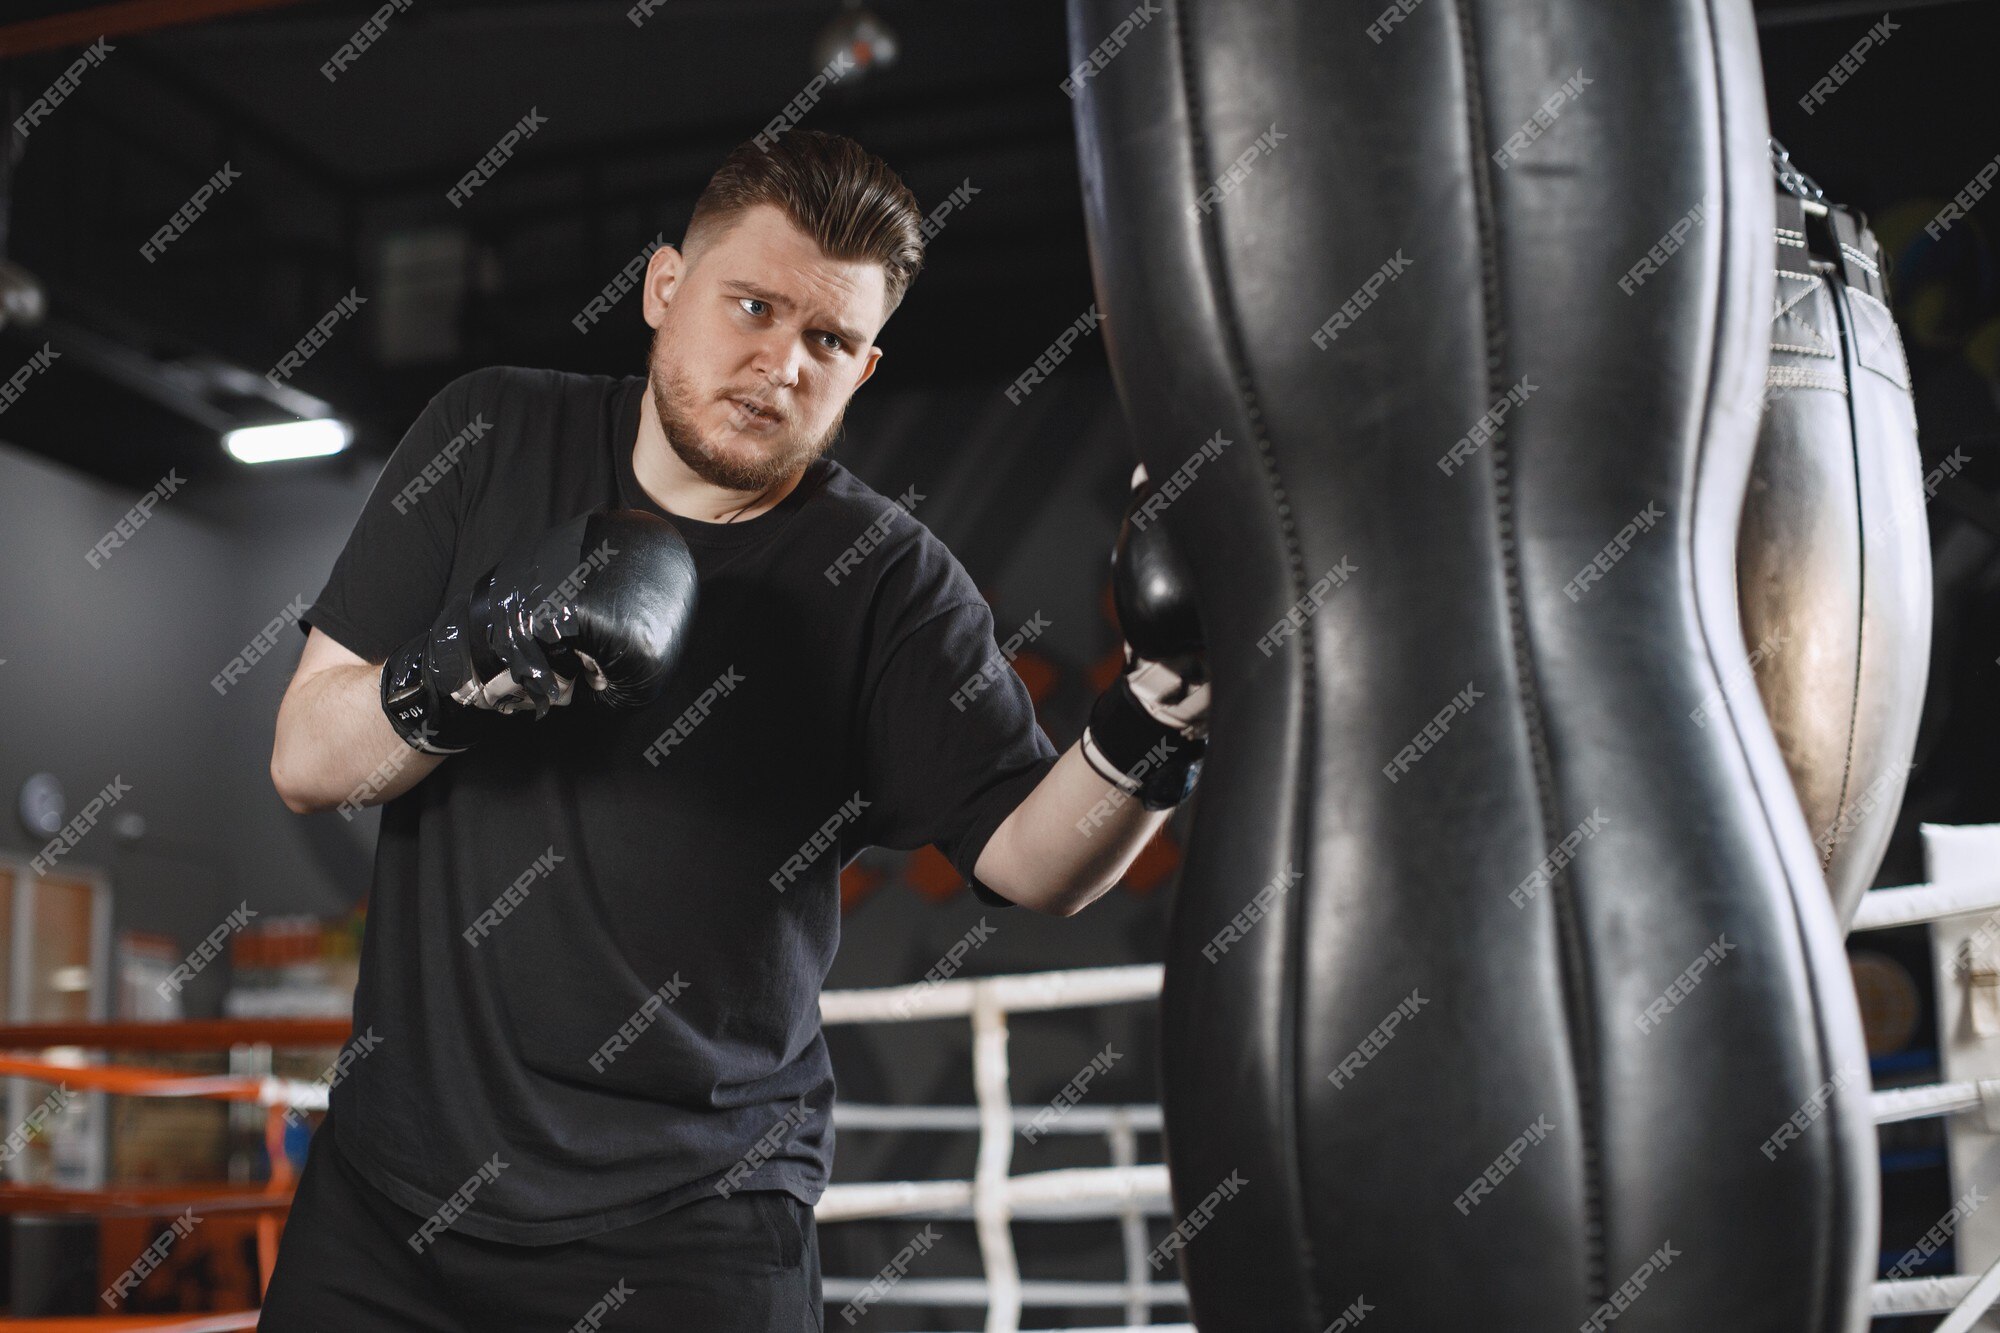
x: 595, y: 942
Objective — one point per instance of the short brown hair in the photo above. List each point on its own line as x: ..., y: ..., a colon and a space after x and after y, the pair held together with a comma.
x: 833, y: 189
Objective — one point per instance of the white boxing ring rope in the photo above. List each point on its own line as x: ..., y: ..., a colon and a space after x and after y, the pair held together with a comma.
x: 1920, y: 903
x: 995, y: 1196
x: 1965, y: 1299
x: 1133, y: 1192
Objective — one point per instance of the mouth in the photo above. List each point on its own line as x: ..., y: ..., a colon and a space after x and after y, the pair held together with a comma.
x: 758, y: 414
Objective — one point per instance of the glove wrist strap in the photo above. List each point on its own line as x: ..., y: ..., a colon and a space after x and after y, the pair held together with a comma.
x: 426, y: 719
x: 1141, y: 756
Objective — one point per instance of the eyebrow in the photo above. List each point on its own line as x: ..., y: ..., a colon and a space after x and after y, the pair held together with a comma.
x: 786, y: 303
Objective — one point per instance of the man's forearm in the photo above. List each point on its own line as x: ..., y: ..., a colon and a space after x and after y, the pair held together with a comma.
x: 335, y: 748
x: 1072, y: 839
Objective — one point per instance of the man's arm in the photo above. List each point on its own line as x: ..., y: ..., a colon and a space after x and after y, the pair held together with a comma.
x: 1078, y: 831
x: 334, y: 743
x: 532, y: 627
x: 1072, y: 839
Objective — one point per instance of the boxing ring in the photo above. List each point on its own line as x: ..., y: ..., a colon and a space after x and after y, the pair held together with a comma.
x: 1126, y: 1190
x: 992, y: 1199
x: 1133, y: 1192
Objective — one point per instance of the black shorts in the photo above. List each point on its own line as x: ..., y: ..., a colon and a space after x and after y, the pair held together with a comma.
x: 749, y: 1262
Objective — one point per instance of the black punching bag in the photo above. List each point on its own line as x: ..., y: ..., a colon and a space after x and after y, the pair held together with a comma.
x: 1549, y: 1026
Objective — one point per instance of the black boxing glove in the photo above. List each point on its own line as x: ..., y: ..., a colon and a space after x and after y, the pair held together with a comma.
x: 1148, y: 732
x: 606, y: 598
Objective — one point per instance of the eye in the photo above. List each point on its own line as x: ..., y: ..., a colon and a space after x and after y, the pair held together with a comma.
x: 747, y: 301
x: 833, y: 342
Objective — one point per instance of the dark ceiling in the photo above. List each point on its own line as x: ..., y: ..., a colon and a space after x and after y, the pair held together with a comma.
x: 342, y: 186
x: 342, y: 183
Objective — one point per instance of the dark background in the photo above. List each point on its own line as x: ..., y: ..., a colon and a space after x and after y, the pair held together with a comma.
x: 106, y: 671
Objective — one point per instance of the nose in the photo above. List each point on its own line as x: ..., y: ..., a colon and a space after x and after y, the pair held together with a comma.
x: 777, y: 361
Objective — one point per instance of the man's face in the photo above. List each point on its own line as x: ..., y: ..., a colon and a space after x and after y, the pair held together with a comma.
x: 757, y: 346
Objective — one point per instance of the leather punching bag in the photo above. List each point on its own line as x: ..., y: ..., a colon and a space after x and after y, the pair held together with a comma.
x: 1833, y: 562
x: 1454, y: 332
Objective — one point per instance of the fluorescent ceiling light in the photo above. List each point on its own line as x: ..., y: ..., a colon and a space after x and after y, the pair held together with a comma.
x: 288, y: 439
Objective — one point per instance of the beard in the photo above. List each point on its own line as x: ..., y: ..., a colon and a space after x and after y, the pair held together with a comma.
x: 756, y: 464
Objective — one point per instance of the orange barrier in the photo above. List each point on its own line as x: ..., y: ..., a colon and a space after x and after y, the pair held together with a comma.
x: 217, y: 1034
x: 128, y: 1081
x: 208, y: 1323
x: 269, y: 1200
x: 47, y: 1200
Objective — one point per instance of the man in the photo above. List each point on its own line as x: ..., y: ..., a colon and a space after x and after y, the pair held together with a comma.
x: 606, y: 888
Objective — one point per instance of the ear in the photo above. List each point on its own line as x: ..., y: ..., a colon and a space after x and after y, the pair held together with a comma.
x: 874, y: 355
x: 664, y: 272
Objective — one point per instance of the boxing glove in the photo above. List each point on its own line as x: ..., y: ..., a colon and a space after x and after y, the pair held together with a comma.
x: 606, y: 598
x: 1148, y: 732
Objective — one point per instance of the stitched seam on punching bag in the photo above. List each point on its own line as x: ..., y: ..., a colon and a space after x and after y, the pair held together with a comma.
x: 1849, y: 337
x: 1202, y: 169
x: 1580, y: 1014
